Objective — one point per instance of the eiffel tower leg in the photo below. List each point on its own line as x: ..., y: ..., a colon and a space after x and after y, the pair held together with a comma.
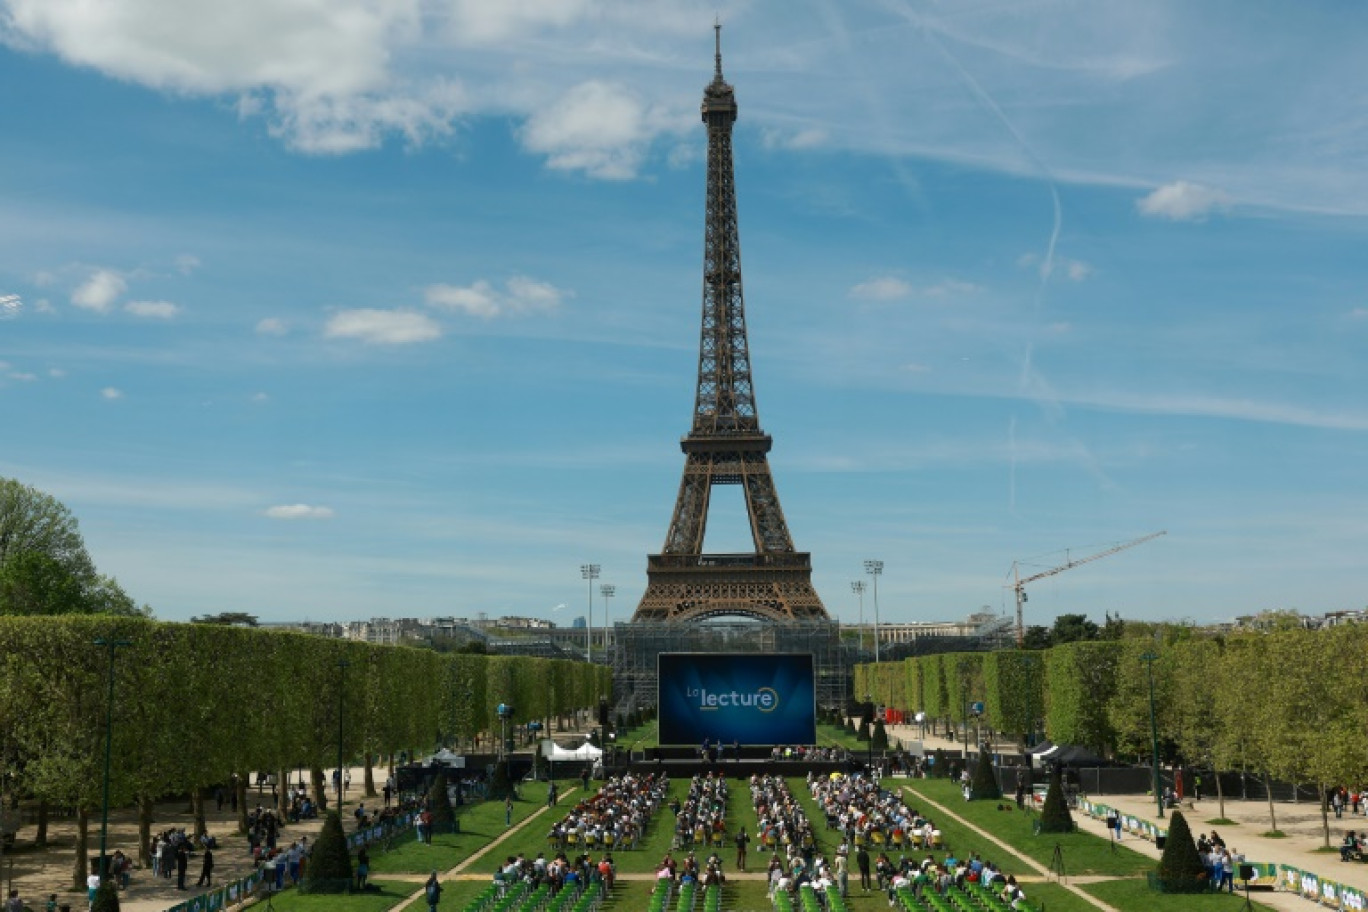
x: 768, y: 527
x: 690, y: 519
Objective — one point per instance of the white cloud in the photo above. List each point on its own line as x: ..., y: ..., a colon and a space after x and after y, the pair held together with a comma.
x: 155, y: 310
x: 950, y: 288
x: 298, y: 511
x: 884, y: 288
x: 319, y: 69
x: 521, y: 295
x: 99, y: 291
x: 23, y: 376
x: 187, y: 263
x: 807, y: 138
x: 44, y: 306
x: 10, y: 305
x: 478, y: 299
x: 1359, y: 313
x: 1075, y: 270
x: 1181, y: 201
x: 56, y: 373
x: 596, y: 127
x: 891, y: 288
x: 382, y: 327
x: 260, y: 397
x: 914, y: 367
x: 111, y: 393
x: 271, y: 326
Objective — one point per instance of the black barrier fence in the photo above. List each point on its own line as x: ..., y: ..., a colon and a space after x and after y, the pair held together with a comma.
x: 1137, y: 780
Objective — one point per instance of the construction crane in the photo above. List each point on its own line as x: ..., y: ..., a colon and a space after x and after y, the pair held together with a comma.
x: 1018, y: 584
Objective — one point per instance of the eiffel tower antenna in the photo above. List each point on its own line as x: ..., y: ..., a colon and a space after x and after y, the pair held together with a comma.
x: 725, y: 444
x: 717, y: 56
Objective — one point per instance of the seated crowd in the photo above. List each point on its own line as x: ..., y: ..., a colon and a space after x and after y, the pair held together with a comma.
x: 615, y: 816
x: 867, y: 814
x: 559, y: 872
x: 702, y: 819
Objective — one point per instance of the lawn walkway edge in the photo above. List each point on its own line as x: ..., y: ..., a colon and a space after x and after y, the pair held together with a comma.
x: 1030, y: 862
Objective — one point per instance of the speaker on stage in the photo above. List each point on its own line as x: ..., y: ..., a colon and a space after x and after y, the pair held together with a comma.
x: 1247, y: 872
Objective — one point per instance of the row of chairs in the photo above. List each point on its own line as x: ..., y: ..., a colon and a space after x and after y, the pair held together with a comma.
x: 899, y: 840
x: 589, y: 842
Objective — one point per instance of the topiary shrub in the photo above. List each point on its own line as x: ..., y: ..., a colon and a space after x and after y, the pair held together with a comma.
x: 1055, y: 816
x: 985, y: 784
x: 329, y: 869
x: 863, y: 733
x: 1180, y: 867
x: 106, y: 898
x: 940, y: 768
x: 439, y: 803
x: 880, y: 736
x: 501, y: 785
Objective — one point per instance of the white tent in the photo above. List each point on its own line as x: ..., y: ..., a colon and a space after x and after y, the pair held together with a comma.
x: 445, y: 757
x: 553, y: 751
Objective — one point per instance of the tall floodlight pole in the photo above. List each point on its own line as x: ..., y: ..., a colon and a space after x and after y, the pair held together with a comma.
x: 341, y: 702
x: 111, y: 645
x: 590, y: 572
x: 858, y: 587
x: 1149, y: 659
x: 607, y: 590
x: 875, y: 569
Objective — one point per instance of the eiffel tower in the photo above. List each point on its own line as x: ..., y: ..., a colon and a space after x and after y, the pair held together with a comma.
x: 725, y: 444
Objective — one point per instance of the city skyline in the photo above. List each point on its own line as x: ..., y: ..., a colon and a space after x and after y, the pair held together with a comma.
x: 355, y: 309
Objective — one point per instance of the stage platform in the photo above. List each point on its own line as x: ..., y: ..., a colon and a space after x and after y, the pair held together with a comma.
x: 742, y: 769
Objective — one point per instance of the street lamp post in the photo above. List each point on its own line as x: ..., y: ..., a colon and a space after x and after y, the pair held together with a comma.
x: 590, y: 572
x: 341, y: 703
x: 1149, y: 659
x: 607, y: 590
x: 875, y: 569
x: 110, y: 645
x: 858, y: 587
x: 869, y: 745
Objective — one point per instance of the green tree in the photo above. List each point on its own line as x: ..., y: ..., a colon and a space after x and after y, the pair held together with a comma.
x: 879, y: 738
x: 329, y: 869
x: 1054, y: 813
x: 106, y: 898
x: 1073, y: 628
x: 439, y: 803
x: 31, y: 521
x: 985, y: 782
x: 228, y: 618
x: 1180, y: 868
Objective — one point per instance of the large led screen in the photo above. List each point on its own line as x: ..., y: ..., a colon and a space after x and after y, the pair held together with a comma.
x: 767, y: 698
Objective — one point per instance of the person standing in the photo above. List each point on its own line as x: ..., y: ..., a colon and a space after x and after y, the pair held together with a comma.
x: 508, y: 811
x: 206, y: 878
x: 862, y: 863
x: 362, y: 868
x: 433, y: 892
x: 842, y: 874
x: 14, y: 903
x: 742, y: 840
x: 182, y: 863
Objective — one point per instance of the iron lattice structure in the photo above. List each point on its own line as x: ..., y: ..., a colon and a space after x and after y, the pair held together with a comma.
x: 725, y: 444
x: 637, y: 644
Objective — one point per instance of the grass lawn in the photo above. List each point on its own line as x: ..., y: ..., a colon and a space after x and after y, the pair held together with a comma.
x: 390, y: 894
x: 481, y: 824
x: 1135, y: 894
x: 532, y: 839
x: 1082, y: 853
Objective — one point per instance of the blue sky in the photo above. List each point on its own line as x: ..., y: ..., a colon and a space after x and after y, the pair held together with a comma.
x: 340, y: 308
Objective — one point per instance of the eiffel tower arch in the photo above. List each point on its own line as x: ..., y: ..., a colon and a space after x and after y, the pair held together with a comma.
x: 725, y: 444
